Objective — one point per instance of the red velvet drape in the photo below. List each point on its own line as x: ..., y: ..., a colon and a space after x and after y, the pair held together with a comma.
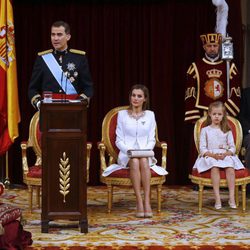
x: 127, y: 42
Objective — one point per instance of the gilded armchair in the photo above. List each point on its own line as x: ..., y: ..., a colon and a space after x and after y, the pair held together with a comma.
x: 109, y: 153
x: 242, y: 177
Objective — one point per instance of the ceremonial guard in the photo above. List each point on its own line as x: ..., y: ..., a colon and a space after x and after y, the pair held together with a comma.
x: 207, y: 81
x: 63, y: 71
x: 212, y: 78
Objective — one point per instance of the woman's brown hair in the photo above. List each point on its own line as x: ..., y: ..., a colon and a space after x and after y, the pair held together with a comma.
x: 224, y: 123
x: 145, y: 92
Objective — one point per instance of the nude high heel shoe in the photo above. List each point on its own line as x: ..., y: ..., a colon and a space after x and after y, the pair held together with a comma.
x: 148, y: 214
x: 139, y: 215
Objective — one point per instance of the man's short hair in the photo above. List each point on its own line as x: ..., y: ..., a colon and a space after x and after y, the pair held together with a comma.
x: 62, y: 23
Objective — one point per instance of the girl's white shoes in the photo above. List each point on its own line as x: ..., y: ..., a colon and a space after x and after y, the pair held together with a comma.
x: 232, y: 205
x: 217, y: 206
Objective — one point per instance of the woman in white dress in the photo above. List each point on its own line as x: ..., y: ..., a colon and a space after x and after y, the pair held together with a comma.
x: 136, y: 130
x: 217, y: 150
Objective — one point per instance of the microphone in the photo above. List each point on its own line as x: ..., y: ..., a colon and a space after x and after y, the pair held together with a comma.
x: 66, y: 85
x: 61, y: 85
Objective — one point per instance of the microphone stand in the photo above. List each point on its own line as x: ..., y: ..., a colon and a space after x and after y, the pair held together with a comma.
x: 66, y: 85
x: 61, y: 85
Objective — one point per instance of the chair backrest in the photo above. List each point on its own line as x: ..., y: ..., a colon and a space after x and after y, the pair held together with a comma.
x: 109, y: 132
x: 234, y: 125
x: 35, y: 135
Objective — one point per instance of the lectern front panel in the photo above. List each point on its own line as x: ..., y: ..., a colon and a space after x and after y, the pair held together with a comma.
x: 64, y: 188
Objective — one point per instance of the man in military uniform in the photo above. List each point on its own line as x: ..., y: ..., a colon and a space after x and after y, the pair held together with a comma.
x: 63, y: 71
x: 207, y: 82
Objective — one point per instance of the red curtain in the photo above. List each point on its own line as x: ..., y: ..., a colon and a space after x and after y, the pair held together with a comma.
x: 127, y: 42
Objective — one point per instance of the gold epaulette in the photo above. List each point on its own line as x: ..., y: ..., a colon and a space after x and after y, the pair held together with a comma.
x: 76, y: 51
x: 45, y: 52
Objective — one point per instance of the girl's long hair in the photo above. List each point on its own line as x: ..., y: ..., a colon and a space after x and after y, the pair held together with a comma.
x: 224, y: 126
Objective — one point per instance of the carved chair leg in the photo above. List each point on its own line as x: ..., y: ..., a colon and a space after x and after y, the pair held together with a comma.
x: 243, y: 190
x: 110, y: 197
x: 38, y: 197
x: 159, y: 189
x: 30, y: 190
x: 237, y: 195
x: 200, y: 196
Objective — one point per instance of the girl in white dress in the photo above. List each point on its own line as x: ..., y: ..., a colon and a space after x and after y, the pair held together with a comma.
x: 136, y: 130
x: 217, y: 150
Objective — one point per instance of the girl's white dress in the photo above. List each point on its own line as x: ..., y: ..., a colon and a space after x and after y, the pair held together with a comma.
x: 134, y: 133
x: 214, y: 140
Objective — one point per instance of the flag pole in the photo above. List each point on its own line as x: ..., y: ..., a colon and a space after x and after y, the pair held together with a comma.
x: 7, y: 180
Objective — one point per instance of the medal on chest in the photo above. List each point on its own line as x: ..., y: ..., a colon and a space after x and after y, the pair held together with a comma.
x: 71, y: 67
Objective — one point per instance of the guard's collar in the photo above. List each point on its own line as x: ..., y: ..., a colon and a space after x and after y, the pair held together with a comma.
x: 212, y: 59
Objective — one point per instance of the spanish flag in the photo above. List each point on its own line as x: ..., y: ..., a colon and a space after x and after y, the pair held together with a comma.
x: 9, y: 106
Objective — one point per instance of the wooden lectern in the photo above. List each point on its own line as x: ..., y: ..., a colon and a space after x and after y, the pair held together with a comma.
x: 64, y: 173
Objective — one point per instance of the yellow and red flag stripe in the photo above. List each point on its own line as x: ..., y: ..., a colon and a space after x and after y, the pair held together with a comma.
x: 9, y: 105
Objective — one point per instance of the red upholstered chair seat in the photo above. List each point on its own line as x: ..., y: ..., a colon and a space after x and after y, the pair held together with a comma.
x: 242, y: 173
x: 35, y: 172
x: 124, y: 173
x: 8, y: 213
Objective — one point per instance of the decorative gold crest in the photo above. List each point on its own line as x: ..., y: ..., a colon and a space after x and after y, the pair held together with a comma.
x: 214, y: 88
x: 214, y: 73
x: 64, y: 172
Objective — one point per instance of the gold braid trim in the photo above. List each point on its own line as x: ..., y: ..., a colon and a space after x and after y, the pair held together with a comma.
x: 76, y: 51
x: 190, y: 70
x: 45, y: 52
x: 233, y: 71
x: 192, y: 117
x: 229, y: 109
x: 192, y: 112
x: 234, y: 105
x: 237, y: 91
x: 190, y: 92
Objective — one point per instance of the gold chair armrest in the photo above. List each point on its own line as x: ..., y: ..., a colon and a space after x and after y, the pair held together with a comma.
x: 164, y: 148
x: 24, y: 146
x: 89, y: 146
x: 102, y: 149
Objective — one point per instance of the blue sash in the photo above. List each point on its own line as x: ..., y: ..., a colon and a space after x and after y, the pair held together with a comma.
x: 57, y: 72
